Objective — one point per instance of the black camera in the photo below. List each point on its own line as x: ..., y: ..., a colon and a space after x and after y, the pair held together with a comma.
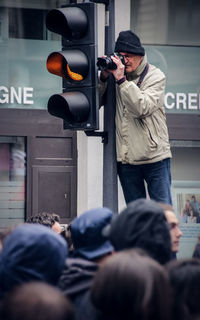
x: 106, y: 63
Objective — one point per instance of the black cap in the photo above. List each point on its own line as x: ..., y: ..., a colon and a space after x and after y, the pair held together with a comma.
x: 143, y: 225
x: 128, y: 41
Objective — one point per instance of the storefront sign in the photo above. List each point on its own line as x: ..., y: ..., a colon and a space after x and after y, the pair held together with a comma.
x: 20, y: 95
x: 182, y: 101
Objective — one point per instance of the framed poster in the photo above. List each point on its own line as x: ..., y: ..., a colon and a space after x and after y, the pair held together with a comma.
x: 186, y: 202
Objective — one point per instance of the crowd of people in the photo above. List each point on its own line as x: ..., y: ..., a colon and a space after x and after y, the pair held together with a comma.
x: 103, y: 266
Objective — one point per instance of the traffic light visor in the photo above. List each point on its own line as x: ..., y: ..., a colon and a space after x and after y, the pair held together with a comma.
x: 72, y: 106
x: 70, y: 22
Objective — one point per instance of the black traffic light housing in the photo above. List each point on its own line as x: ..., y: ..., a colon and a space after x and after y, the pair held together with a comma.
x: 76, y: 64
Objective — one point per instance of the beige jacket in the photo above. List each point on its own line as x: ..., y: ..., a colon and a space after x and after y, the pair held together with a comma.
x: 141, y: 130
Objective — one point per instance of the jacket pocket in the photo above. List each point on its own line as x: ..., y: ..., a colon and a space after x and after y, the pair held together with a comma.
x: 143, y: 142
x: 150, y: 135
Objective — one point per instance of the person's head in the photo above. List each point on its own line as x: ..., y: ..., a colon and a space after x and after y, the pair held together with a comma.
x: 86, y: 234
x: 36, y: 301
x: 50, y: 220
x: 142, y: 224
x: 129, y: 46
x: 184, y: 275
x: 173, y: 222
x: 193, y: 198
x: 31, y: 252
x: 131, y: 285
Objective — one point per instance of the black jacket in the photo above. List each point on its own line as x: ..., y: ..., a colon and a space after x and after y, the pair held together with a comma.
x: 75, y: 282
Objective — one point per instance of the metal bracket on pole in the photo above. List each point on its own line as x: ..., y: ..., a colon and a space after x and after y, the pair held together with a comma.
x: 102, y: 134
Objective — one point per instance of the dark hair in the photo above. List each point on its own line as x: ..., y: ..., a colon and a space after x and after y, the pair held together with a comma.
x: 36, y: 301
x: 131, y: 285
x: 56, y: 217
x: 184, y: 277
x: 45, y: 218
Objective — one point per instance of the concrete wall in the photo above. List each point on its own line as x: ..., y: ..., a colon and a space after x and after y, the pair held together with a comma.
x: 90, y: 149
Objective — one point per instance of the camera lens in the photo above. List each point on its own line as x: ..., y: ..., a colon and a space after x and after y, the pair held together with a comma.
x: 106, y: 64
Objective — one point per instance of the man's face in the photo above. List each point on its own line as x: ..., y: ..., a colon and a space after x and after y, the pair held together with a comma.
x: 131, y: 61
x: 57, y: 227
x: 175, y: 232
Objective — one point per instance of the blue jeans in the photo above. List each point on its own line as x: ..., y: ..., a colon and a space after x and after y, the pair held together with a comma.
x: 157, y: 176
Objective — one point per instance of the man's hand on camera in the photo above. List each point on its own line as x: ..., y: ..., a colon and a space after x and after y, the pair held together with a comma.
x: 119, y: 72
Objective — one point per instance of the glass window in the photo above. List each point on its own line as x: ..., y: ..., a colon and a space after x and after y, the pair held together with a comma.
x: 12, y: 180
x: 26, y: 23
x: 166, y: 22
x: 25, y: 45
x: 182, y: 70
x: 169, y: 31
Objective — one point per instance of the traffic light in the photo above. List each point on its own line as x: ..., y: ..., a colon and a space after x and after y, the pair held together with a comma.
x: 76, y: 64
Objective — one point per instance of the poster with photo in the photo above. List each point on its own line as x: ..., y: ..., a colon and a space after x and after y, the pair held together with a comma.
x: 186, y: 202
x: 188, y: 207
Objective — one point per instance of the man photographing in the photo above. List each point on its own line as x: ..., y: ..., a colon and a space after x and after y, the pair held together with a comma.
x: 142, y: 142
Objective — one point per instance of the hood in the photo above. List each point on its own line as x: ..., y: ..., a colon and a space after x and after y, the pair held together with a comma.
x: 86, y: 232
x: 142, y: 224
x: 77, y: 276
x: 31, y: 252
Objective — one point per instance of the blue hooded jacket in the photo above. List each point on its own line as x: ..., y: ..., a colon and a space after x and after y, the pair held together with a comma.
x: 31, y: 252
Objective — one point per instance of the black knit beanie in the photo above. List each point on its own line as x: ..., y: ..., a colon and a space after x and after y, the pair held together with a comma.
x: 128, y: 41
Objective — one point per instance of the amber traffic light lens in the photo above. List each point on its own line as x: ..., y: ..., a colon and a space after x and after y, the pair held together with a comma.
x: 73, y: 75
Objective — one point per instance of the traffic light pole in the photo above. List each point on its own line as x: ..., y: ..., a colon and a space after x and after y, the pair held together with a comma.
x: 110, y: 186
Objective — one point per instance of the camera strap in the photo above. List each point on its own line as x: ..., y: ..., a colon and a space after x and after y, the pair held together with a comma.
x: 143, y: 74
